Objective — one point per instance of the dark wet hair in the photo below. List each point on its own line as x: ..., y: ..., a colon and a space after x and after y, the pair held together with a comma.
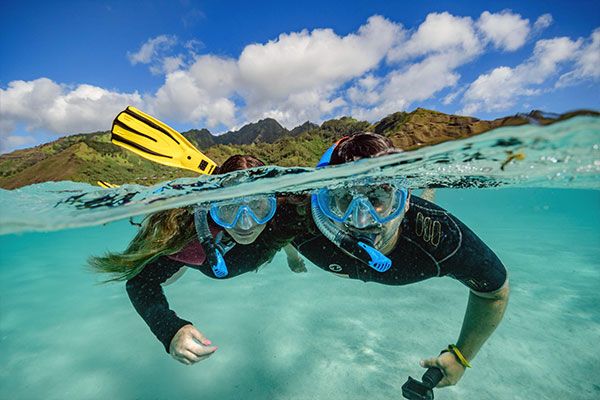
x: 361, y: 145
x: 239, y: 162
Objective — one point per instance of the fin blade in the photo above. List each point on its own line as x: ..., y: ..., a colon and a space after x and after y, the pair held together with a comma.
x: 154, y: 140
x: 106, y: 185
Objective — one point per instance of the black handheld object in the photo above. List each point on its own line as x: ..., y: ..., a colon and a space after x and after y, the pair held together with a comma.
x: 415, y: 390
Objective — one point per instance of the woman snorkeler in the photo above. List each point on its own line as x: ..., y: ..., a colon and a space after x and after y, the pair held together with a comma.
x: 222, y: 240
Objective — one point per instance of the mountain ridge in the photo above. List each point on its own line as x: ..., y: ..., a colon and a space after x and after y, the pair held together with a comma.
x: 92, y: 157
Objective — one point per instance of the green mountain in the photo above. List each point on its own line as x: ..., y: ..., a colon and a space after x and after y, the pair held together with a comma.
x: 266, y: 131
x: 92, y: 157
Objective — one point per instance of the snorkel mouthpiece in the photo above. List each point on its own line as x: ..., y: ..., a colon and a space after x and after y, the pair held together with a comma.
x: 379, y: 262
x: 365, y: 253
x: 219, y: 267
x: 213, y: 254
x: 215, y: 258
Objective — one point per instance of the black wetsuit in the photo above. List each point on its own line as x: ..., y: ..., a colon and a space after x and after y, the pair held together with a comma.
x: 148, y: 298
x: 432, y: 243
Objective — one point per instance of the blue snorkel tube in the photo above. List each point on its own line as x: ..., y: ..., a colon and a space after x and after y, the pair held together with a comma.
x: 213, y: 254
x: 362, y: 249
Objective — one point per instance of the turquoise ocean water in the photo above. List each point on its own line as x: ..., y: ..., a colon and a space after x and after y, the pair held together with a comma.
x: 281, y: 335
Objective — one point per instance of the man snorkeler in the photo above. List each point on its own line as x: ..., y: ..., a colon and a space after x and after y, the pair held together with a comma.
x: 378, y: 232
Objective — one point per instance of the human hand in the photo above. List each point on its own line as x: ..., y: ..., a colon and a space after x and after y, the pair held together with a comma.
x: 296, y: 264
x: 189, y: 346
x: 451, y: 368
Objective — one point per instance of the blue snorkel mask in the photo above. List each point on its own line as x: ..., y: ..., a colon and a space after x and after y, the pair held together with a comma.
x: 363, y: 205
x: 244, y: 213
x: 360, y: 206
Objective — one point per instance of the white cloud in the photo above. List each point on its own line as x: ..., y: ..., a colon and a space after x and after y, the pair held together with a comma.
x: 293, y: 78
x: 194, y: 45
x: 501, y: 88
x: 43, y: 105
x: 366, y: 91
x: 445, y: 41
x: 200, y: 93
x: 542, y: 22
x: 152, y: 49
x: 299, y: 107
x: 307, y: 61
x: 400, y: 88
x: 507, y: 31
x: 450, y: 97
x: 168, y: 65
x: 439, y: 33
x: 587, y: 65
x: 420, y: 81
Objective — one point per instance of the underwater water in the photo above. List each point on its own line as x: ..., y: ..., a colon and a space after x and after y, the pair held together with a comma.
x: 298, y: 336
x: 281, y: 335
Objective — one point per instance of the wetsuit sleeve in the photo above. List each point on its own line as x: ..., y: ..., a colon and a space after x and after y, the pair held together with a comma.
x: 475, y: 264
x: 148, y: 299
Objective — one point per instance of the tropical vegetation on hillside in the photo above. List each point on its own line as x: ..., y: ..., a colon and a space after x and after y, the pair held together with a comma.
x: 92, y: 157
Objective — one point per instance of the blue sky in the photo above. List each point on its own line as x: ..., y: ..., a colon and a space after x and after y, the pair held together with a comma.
x: 70, y: 67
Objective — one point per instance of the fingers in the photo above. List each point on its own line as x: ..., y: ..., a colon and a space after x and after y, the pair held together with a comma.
x: 435, y: 362
x: 431, y: 362
x: 194, y: 358
x: 444, y: 382
x: 188, y: 357
x: 452, y: 370
x: 196, y: 334
x: 200, y: 351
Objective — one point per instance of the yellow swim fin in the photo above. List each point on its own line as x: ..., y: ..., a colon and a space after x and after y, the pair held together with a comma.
x: 106, y: 185
x: 152, y: 139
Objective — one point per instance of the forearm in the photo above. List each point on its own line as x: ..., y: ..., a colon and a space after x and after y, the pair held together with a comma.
x: 146, y: 295
x: 482, y: 317
x: 290, y: 251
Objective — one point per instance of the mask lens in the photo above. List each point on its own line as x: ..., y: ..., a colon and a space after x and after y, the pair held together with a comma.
x: 341, y: 200
x: 382, y: 202
x: 261, y: 207
x: 335, y: 202
x: 383, y: 199
x: 227, y: 212
x: 257, y: 210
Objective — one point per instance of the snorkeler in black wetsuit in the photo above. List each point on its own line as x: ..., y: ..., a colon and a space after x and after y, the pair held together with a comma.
x: 432, y: 243
x: 148, y: 298
x: 375, y: 231
x: 221, y: 240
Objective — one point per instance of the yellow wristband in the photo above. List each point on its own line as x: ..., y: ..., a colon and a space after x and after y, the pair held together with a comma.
x: 458, y: 354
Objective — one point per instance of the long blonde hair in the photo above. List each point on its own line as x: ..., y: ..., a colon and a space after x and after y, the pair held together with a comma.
x: 162, y: 233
